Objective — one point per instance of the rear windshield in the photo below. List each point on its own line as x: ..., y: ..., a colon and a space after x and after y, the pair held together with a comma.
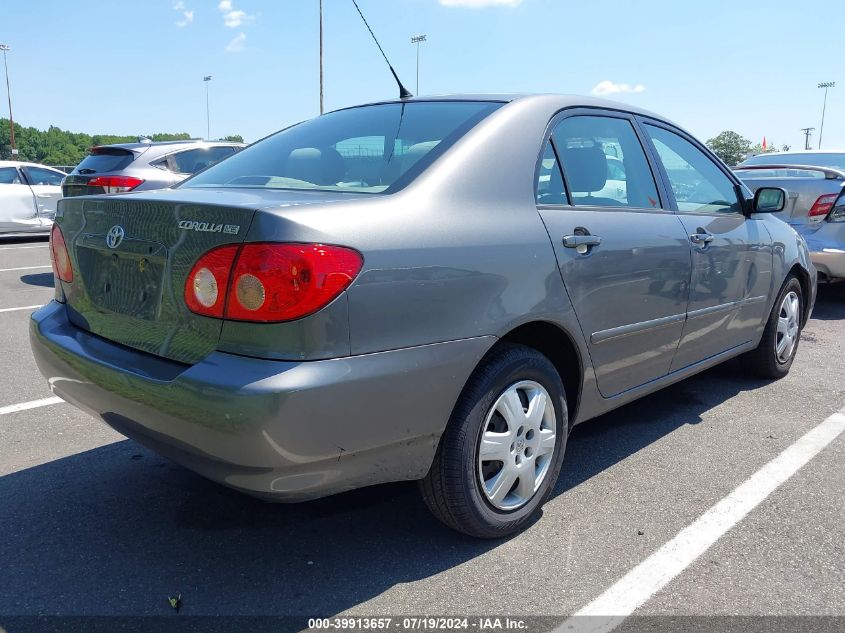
x: 830, y: 159
x: 103, y: 159
x: 369, y: 149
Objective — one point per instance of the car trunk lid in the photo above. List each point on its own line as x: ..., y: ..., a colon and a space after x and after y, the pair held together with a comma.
x: 131, y: 257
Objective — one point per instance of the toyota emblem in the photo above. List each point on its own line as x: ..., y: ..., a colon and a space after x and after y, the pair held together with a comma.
x: 115, y: 236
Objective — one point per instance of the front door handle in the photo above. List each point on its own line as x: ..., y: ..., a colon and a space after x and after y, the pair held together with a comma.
x: 701, y: 239
x: 574, y: 241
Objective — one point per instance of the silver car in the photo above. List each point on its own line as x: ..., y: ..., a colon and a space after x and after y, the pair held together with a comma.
x: 427, y: 289
x: 143, y: 165
x: 814, y: 181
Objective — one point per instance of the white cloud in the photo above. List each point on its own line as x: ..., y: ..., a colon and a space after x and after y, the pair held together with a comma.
x: 187, y: 14
x: 232, y: 17
x: 480, y: 4
x: 607, y: 87
x: 237, y: 43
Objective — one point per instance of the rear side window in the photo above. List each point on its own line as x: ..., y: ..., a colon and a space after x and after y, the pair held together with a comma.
x: 9, y: 176
x: 549, y: 181
x: 604, y: 163
x: 367, y: 149
x: 697, y: 182
x: 194, y: 160
x: 105, y: 159
x: 39, y: 176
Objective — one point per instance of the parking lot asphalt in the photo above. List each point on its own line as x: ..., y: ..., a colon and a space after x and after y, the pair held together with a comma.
x: 95, y: 524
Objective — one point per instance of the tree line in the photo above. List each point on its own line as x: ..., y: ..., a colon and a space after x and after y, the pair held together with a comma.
x: 733, y: 148
x: 55, y: 146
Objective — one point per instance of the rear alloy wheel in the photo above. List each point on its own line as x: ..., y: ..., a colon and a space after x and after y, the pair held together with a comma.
x: 502, y: 450
x: 516, y: 446
x: 773, y: 357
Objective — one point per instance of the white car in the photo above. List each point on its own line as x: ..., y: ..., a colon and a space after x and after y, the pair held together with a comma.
x: 28, y: 196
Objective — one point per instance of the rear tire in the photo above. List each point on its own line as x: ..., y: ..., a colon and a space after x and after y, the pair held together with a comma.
x: 503, y: 447
x: 773, y: 357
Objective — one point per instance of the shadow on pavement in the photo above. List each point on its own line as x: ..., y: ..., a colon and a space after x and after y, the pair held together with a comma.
x: 830, y: 304
x: 24, y: 239
x: 40, y: 279
x: 117, y: 529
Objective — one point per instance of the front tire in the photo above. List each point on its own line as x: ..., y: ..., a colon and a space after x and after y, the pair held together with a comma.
x: 502, y: 451
x: 773, y: 357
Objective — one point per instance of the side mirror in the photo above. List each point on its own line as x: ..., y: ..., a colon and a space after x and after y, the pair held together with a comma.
x: 769, y: 200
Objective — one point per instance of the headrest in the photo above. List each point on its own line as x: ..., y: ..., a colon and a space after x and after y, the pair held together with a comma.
x: 319, y: 166
x: 585, y: 168
x: 415, y: 152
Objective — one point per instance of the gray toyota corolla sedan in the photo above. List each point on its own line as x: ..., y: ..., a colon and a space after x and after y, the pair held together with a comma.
x: 433, y: 289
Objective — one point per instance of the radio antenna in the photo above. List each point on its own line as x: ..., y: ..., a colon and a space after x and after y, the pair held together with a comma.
x: 404, y: 93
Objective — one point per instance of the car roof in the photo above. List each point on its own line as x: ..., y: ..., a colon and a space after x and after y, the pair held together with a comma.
x: 562, y: 101
x: 23, y: 163
x: 147, y: 145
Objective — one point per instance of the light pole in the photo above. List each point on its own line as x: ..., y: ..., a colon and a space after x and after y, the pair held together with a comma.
x: 5, y: 48
x: 825, y: 85
x: 416, y: 39
x: 206, y: 79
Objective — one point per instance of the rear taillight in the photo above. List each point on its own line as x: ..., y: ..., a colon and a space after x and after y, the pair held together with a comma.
x: 837, y: 214
x: 205, y: 290
x: 823, y: 205
x: 269, y: 282
x: 115, y: 184
x: 62, y: 267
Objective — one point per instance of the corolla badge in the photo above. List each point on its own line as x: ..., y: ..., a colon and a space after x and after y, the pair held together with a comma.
x: 115, y: 236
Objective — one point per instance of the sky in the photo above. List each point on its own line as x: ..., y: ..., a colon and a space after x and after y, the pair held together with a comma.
x: 137, y: 66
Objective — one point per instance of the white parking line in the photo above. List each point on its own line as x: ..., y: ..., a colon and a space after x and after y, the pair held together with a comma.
x: 21, y: 308
x: 631, y: 591
x: 32, y: 404
x: 8, y: 270
x: 15, y: 248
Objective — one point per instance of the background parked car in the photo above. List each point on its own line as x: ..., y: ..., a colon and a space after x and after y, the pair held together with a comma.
x: 812, y: 194
x: 815, y: 158
x: 28, y: 196
x: 143, y: 165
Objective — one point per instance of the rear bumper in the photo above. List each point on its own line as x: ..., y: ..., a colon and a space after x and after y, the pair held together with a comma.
x: 830, y: 261
x: 290, y: 431
x: 826, y: 242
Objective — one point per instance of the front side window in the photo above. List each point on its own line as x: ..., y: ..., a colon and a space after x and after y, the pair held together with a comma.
x: 549, y: 181
x: 367, y: 149
x: 698, y: 183
x: 9, y: 176
x: 193, y: 160
x: 604, y: 163
x: 39, y: 176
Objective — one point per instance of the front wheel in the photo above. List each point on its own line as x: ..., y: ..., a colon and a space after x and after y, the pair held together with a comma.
x: 502, y: 450
x: 773, y: 357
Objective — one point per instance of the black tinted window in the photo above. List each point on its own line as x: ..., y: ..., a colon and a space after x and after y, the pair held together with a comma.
x: 604, y: 163
x: 365, y: 149
x: 193, y: 160
x: 104, y: 159
x: 9, y: 176
x: 39, y: 176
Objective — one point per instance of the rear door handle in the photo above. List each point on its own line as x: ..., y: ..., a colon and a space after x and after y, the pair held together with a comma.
x: 701, y: 238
